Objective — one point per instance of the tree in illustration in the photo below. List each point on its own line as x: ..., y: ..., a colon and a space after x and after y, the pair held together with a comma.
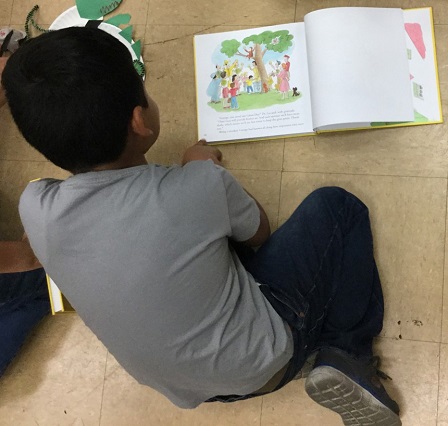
x: 255, y: 47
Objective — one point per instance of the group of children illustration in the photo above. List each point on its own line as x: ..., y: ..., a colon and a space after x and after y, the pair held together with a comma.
x: 234, y: 78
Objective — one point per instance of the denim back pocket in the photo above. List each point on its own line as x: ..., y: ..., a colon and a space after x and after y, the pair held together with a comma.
x: 291, y: 305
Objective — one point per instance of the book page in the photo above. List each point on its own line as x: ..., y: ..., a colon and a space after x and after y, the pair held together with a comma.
x: 252, y: 84
x: 55, y: 294
x: 422, y: 65
x: 359, y: 71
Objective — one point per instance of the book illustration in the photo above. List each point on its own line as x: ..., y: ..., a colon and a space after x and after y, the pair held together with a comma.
x: 420, y: 68
x: 252, y: 73
x: 415, y: 33
x: 418, y: 90
x: 422, y: 65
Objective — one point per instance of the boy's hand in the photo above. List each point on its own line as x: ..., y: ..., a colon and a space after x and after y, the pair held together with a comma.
x: 201, y: 151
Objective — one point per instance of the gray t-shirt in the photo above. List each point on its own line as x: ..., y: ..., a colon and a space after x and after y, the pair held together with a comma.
x: 142, y: 254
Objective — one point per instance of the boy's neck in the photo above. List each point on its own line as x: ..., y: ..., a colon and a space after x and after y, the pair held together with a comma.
x: 122, y: 163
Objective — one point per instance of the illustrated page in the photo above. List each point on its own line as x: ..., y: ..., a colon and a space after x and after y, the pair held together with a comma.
x: 422, y: 65
x: 252, y: 84
x: 359, y: 71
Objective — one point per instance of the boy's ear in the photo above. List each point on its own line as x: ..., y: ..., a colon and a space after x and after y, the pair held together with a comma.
x: 138, y: 125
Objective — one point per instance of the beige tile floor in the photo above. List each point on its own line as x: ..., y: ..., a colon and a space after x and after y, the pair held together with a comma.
x: 64, y: 376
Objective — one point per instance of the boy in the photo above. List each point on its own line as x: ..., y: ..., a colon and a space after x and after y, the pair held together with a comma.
x: 147, y: 255
x: 23, y: 289
x: 23, y: 297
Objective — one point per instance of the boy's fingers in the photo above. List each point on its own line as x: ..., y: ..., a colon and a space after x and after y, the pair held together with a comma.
x: 202, y: 142
x: 218, y: 154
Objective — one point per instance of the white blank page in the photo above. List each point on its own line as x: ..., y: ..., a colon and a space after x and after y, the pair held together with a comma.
x: 358, y: 64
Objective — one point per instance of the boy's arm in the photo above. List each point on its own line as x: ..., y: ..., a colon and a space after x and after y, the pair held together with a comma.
x: 202, y: 151
x: 2, y: 91
x: 264, y: 230
x: 17, y: 256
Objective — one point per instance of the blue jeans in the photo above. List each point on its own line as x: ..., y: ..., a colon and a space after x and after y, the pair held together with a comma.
x: 23, y: 303
x: 318, y: 272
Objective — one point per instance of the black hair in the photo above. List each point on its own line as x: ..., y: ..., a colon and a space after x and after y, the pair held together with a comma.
x: 72, y: 93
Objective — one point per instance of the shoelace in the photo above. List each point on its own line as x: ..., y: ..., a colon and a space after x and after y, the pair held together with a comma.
x: 375, y: 362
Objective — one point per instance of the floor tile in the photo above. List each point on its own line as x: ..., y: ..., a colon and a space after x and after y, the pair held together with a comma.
x: 441, y: 35
x: 265, y: 187
x: 14, y: 176
x: 127, y: 402
x: 398, y: 152
x: 170, y: 81
x: 5, y: 12
x: 408, y: 222
x: 413, y: 367
x: 50, y: 10
x: 442, y: 419
x: 291, y: 406
x: 444, y: 338
x: 57, y: 379
x: 265, y: 12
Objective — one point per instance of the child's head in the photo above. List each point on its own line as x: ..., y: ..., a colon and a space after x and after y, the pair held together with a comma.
x: 251, y: 76
x: 73, y: 94
x: 232, y: 85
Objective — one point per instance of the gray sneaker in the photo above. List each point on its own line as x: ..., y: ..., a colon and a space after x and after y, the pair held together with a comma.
x: 352, y: 388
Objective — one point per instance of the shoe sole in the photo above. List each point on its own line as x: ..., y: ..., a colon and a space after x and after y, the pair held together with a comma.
x: 332, y: 389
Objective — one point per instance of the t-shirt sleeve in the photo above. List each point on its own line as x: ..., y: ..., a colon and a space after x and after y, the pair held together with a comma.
x: 243, y: 212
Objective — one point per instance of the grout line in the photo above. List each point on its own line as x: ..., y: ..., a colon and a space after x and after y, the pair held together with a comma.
x: 102, y: 391
x: 438, y: 383
x: 261, y: 410
x: 444, y: 260
x: 441, y: 328
x: 339, y: 173
x: 408, y: 340
x: 281, y: 184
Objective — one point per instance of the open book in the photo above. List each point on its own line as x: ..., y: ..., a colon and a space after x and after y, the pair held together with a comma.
x: 58, y: 302
x: 343, y: 68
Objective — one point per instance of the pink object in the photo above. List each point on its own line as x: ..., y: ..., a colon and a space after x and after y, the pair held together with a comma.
x: 415, y: 33
x: 284, y: 84
x: 411, y: 76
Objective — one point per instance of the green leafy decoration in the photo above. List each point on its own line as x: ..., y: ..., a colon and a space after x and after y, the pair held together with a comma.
x: 137, y: 47
x: 118, y: 20
x: 127, y: 33
x: 95, y: 9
